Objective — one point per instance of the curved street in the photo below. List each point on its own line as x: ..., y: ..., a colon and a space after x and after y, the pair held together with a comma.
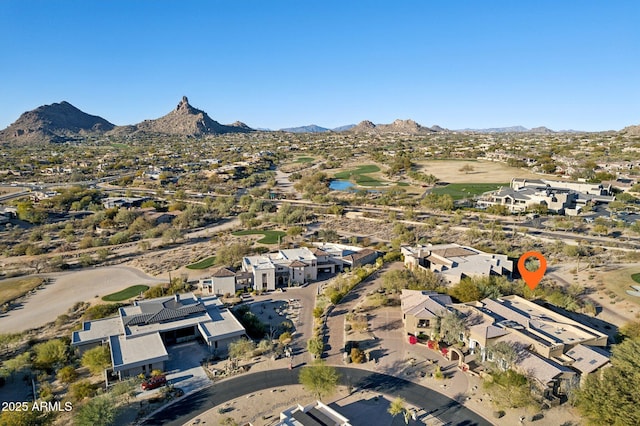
x: 436, y: 404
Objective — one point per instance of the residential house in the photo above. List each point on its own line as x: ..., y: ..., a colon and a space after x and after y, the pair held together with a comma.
x: 551, y: 348
x: 226, y: 281
x: 454, y: 262
x: 139, y: 335
x: 314, y: 414
x: 558, y: 196
x: 422, y: 310
x: 300, y: 265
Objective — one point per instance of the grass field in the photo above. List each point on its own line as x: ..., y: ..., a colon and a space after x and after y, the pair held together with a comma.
x: 11, y: 289
x: 125, y: 294
x: 636, y: 277
x: 203, y: 264
x: 270, y: 237
x: 305, y: 160
x: 483, y: 171
x: 361, y: 175
x: 119, y: 145
x: 458, y: 191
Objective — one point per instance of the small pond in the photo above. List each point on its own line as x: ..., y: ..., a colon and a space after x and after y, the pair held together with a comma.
x: 340, y: 185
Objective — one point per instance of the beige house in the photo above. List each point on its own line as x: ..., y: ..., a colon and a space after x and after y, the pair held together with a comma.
x: 421, y: 311
x: 550, y: 347
x: 454, y: 262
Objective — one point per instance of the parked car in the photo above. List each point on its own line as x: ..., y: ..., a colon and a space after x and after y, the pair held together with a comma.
x: 154, y: 382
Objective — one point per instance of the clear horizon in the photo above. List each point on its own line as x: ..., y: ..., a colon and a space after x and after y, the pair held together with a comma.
x: 462, y: 64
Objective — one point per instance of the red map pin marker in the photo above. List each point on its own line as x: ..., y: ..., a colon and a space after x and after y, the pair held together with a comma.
x: 532, y: 278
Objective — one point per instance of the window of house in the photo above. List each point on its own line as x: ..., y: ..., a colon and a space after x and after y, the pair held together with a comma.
x: 423, y: 323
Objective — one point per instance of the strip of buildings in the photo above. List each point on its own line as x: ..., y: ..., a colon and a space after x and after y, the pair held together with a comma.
x: 266, y: 272
x: 560, y: 197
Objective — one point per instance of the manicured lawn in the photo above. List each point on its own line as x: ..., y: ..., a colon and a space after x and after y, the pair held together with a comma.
x: 403, y: 184
x: 361, y: 176
x: 369, y: 168
x: 459, y: 191
x: 270, y: 237
x: 305, y: 160
x: 125, y: 294
x: 203, y: 264
x: 636, y: 277
x: 119, y: 145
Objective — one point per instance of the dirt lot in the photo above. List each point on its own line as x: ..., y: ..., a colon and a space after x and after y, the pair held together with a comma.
x: 484, y: 171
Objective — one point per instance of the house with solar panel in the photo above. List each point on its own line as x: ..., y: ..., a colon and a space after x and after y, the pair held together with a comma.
x: 139, y: 335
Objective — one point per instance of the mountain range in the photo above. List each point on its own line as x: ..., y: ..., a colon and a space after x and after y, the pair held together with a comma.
x: 54, y: 123
x: 511, y: 129
x: 62, y: 121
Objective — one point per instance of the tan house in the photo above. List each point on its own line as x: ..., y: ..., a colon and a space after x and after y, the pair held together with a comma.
x: 454, y: 262
x: 421, y: 311
x: 550, y: 347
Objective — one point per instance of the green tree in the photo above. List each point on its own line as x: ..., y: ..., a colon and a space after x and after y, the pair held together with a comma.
x: 171, y: 235
x: 319, y: 379
x: 604, y: 396
x: 67, y: 374
x: 82, y: 389
x: 51, y: 353
x: 466, y: 291
x: 509, y: 389
x: 97, y: 359
x: 241, y: 348
x: 451, y: 326
x: 100, y: 411
x: 27, y: 418
x: 315, y: 346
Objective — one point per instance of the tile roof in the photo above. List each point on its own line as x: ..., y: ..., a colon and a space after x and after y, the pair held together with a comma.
x: 224, y: 272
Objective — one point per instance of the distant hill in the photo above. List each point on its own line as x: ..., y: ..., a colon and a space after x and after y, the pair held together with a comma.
x: 57, y: 122
x: 398, y: 126
x: 311, y: 128
x: 186, y: 120
x: 631, y: 130
x: 512, y: 129
x: 344, y: 128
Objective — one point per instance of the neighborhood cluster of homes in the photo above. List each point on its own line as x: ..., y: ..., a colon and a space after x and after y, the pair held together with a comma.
x: 266, y: 272
x: 548, y: 346
x: 567, y: 198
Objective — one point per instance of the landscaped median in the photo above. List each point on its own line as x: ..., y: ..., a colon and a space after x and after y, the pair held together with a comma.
x: 332, y: 295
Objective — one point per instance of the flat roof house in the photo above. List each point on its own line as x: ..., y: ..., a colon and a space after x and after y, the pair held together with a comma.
x: 550, y: 347
x: 454, y: 262
x: 314, y: 414
x: 139, y: 335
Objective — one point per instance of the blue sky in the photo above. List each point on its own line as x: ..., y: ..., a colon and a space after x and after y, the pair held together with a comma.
x: 458, y: 64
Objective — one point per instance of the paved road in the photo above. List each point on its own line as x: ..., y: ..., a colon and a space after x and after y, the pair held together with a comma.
x: 446, y: 409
